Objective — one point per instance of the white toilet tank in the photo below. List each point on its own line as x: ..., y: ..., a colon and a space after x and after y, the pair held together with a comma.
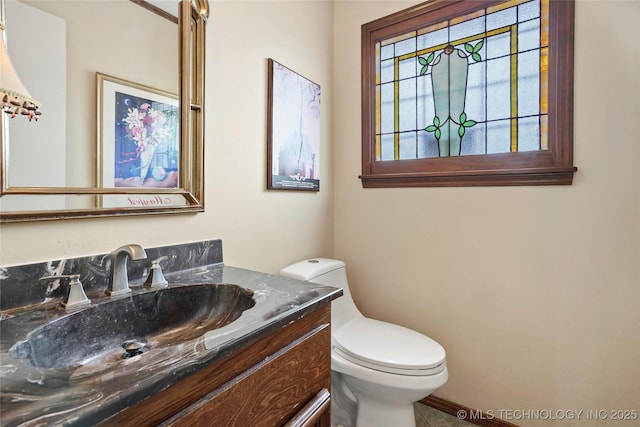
x: 330, y: 272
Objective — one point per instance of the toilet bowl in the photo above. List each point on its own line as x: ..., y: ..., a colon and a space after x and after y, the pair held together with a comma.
x: 378, y: 369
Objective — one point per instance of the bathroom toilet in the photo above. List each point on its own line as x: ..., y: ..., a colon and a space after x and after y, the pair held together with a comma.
x: 378, y: 369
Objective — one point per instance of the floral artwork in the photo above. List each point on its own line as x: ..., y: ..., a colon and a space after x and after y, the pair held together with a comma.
x: 146, y: 143
x: 138, y: 135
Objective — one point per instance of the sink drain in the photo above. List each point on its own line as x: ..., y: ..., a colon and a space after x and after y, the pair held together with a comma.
x: 134, y: 348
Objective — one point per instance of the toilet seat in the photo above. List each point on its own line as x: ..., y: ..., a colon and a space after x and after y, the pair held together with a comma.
x: 388, y: 348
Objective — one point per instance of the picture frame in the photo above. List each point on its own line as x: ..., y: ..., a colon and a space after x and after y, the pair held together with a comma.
x: 138, y: 135
x: 293, y: 134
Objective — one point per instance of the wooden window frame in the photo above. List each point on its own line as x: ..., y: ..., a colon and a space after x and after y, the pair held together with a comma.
x: 553, y: 166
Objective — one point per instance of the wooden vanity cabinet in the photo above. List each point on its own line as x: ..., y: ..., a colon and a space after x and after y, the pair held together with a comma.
x: 282, y: 379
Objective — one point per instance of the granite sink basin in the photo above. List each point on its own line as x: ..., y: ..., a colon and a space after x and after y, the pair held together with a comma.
x: 118, y: 329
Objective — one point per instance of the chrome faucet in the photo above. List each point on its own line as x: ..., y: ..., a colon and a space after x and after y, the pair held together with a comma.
x: 119, y: 280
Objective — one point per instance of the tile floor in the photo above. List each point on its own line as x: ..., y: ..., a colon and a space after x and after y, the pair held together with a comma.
x: 426, y: 416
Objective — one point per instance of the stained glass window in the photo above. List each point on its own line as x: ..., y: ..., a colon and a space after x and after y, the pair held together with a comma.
x: 473, y: 83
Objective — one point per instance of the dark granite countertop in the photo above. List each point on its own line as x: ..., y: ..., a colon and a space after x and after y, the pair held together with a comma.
x: 89, y: 394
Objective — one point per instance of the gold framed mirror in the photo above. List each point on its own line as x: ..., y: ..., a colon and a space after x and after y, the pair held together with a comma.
x: 122, y: 124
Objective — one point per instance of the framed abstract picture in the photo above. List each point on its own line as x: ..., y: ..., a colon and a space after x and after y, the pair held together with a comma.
x: 293, y: 134
x: 138, y: 135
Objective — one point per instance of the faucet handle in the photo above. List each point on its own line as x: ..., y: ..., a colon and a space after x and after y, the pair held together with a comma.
x: 76, y: 296
x: 71, y: 277
x: 156, y: 278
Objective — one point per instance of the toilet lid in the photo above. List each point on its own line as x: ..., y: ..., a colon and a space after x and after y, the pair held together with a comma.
x: 389, y: 348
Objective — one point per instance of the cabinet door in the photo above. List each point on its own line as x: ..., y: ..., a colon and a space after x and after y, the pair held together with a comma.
x: 270, y: 393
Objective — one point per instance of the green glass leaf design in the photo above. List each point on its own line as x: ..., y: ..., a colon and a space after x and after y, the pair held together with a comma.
x: 476, y: 57
x: 463, y: 117
x: 430, y: 128
x: 468, y: 47
x: 436, y: 121
x: 461, y: 131
x: 430, y: 57
x: 425, y: 63
x: 477, y: 47
x: 469, y: 123
x: 437, y: 134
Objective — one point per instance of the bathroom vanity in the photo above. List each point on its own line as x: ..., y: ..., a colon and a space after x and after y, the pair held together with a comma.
x: 283, y: 377
x: 261, y: 363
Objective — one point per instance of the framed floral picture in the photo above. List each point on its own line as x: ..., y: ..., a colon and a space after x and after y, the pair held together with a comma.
x: 138, y: 135
x: 293, y: 134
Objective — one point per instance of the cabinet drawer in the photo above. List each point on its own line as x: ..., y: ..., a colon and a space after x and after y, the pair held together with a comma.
x: 271, y: 392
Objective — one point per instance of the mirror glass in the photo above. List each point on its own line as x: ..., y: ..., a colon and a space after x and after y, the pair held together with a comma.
x: 111, y: 77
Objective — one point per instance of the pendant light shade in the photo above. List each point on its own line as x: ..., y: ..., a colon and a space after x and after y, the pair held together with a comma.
x: 14, y: 97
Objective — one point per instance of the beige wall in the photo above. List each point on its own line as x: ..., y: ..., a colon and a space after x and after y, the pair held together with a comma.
x: 265, y: 230
x: 533, y: 291
x: 259, y: 229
